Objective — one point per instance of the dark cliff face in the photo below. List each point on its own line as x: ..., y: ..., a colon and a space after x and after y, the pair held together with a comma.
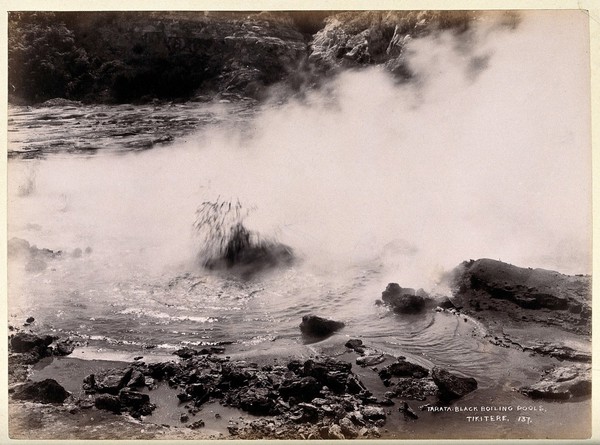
x: 140, y: 56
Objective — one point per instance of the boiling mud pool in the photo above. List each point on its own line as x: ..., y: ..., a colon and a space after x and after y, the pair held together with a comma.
x: 128, y: 278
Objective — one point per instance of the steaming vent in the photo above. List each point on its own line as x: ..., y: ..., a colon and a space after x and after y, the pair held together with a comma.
x: 226, y: 243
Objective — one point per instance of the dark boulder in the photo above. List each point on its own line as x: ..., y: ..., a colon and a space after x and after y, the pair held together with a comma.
x: 133, y: 399
x: 305, y: 388
x: 165, y: 370
x: 356, y: 345
x: 186, y: 352
x: 403, y: 300
x: 64, y: 347
x: 196, y: 425
x: 25, y: 342
x: 526, y: 287
x: 329, y: 372
x: 137, y: 403
x: 258, y: 401
x: 137, y: 379
x: 108, y: 402
x: 402, y: 368
x: 316, y: 327
x: 452, y: 386
x: 45, y: 391
x: 110, y: 381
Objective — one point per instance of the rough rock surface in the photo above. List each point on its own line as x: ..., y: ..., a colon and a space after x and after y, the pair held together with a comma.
x: 353, y: 39
x: 562, y: 383
x: 490, y: 284
x: 45, y: 391
x: 26, y: 342
x: 109, y: 381
x: 403, y: 368
x: 452, y: 386
x: 108, y: 402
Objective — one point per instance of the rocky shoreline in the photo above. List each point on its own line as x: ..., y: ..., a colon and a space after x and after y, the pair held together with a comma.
x: 340, y: 391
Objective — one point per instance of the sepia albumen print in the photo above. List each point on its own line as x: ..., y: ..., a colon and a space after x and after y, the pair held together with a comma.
x: 299, y: 225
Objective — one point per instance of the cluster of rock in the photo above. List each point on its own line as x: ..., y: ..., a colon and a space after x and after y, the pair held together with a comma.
x: 320, y: 391
x: 415, y: 382
x: 27, y: 349
x: 322, y: 398
x: 352, y: 39
x: 318, y: 398
x: 115, y: 391
x: 406, y: 300
x: 504, y: 296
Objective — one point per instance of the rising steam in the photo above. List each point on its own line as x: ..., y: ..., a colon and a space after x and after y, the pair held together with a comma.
x: 486, y: 154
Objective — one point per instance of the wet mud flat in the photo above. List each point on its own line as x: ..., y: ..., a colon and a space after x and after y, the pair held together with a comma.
x: 332, y: 387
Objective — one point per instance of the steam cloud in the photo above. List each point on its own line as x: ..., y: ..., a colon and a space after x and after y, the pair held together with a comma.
x: 487, y: 154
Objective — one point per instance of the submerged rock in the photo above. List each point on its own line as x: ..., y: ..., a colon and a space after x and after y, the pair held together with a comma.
x: 318, y: 327
x: 452, y: 386
x: 45, y: 391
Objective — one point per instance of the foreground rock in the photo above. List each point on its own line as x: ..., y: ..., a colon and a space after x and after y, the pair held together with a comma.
x: 316, y: 327
x: 314, y: 394
x: 562, y: 383
x: 46, y: 391
x: 452, y: 386
x: 407, y: 380
x: 115, y: 391
x: 24, y: 342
